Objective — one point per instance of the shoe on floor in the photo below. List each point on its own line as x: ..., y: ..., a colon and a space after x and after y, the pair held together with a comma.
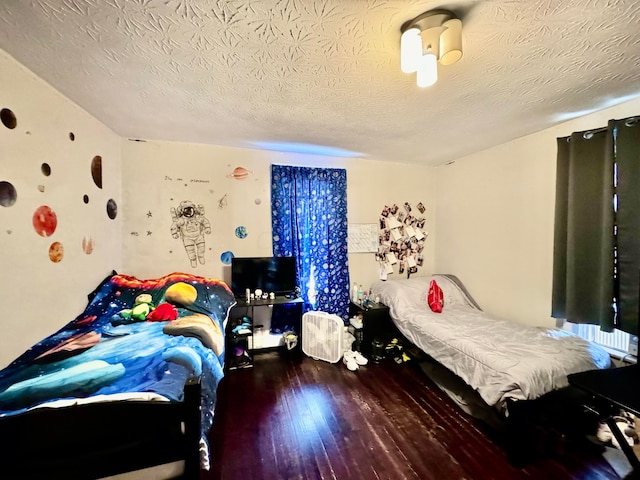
x: 350, y: 361
x: 359, y: 358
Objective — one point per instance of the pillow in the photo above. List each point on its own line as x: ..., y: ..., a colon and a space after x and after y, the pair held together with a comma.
x: 453, y: 293
x: 414, y: 291
x: 435, y: 297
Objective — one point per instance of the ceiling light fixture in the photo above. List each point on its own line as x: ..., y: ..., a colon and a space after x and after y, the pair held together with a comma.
x: 434, y: 36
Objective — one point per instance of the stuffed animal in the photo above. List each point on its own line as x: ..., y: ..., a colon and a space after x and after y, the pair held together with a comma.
x: 142, y: 306
x: 162, y: 313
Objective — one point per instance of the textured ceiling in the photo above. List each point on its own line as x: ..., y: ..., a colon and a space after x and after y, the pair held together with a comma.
x: 326, y: 72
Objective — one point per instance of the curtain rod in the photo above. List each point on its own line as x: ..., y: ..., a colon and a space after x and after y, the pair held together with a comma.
x: 629, y: 121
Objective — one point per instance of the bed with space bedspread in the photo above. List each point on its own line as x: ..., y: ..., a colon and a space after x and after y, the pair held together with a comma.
x: 486, y: 365
x: 129, y: 383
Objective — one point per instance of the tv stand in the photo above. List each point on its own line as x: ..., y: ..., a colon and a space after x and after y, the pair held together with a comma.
x: 241, y: 345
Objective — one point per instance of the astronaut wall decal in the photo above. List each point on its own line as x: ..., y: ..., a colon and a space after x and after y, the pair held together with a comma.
x: 190, y: 224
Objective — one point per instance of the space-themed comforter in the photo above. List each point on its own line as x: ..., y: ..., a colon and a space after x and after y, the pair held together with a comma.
x: 136, y: 339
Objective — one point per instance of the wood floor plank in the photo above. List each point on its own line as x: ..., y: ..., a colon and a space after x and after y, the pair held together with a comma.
x: 308, y: 419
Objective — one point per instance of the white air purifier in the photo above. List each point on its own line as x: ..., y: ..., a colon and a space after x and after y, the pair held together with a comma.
x: 322, y: 336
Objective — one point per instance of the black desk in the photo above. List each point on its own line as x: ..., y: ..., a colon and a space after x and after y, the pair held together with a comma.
x: 614, y: 387
x: 241, y: 302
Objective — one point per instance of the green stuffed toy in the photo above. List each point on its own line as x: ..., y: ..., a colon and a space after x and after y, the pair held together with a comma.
x: 142, y: 306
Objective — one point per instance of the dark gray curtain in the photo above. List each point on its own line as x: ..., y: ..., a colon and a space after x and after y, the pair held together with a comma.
x: 627, y: 148
x: 596, y: 270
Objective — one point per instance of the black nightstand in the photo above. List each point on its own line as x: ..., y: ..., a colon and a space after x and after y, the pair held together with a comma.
x: 376, y: 323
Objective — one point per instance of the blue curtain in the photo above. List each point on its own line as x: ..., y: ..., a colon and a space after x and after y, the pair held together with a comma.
x: 309, y: 222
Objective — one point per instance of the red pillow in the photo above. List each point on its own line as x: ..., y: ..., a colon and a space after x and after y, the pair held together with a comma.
x: 435, y: 298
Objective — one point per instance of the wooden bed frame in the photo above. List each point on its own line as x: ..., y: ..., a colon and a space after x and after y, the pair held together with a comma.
x: 99, y: 439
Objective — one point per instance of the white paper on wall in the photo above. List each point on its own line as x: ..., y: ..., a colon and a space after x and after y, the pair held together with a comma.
x: 362, y: 237
x: 392, y: 223
x: 410, y: 231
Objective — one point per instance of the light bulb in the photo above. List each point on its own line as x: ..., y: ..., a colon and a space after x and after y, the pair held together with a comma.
x: 451, y: 42
x: 427, y: 70
x: 410, y: 50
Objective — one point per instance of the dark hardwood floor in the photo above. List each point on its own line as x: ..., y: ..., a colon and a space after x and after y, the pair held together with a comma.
x: 308, y: 419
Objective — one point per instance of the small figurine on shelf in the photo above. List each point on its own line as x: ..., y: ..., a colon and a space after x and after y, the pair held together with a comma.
x: 243, y: 327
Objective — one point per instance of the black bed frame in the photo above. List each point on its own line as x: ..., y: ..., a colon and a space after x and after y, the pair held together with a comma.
x: 100, y: 439
x: 533, y: 429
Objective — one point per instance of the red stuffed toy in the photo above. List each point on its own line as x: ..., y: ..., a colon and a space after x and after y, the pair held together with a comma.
x: 435, y: 297
x: 163, y: 312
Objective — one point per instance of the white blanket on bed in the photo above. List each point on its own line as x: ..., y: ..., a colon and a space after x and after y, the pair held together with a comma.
x: 498, y: 358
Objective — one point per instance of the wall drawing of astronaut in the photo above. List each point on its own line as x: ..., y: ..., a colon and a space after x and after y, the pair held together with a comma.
x: 191, y: 225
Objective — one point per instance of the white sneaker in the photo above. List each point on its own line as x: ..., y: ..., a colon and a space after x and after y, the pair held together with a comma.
x: 350, y: 361
x: 359, y: 358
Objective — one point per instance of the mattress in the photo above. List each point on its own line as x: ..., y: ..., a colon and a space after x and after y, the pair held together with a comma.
x: 498, y: 358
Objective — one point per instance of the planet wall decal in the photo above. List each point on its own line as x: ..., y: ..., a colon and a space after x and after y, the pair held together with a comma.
x: 241, y: 232
x: 112, y: 209
x: 8, y: 194
x: 240, y: 173
x: 44, y: 221
x: 96, y: 170
x: 87, y: 245
x: 56, y: 252
x: 8, y: 118
x: 226, y: 257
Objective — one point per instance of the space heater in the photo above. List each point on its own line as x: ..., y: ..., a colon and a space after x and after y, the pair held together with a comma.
x: 322, y: 336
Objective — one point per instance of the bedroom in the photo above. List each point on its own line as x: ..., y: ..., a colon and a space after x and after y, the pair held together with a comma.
x: 500, y: 244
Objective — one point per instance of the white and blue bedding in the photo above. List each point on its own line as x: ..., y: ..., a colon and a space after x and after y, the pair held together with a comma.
x: 107, y: 354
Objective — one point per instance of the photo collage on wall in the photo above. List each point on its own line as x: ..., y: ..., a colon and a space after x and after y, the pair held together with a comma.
x: 401, y: 240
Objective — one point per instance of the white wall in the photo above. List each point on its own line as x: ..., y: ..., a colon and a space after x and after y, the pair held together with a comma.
x: 38, y: 295
x: 495, y: 217
x: 159, y: 175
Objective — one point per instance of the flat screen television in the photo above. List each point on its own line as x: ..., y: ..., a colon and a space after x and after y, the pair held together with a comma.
x: 270, y: 274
